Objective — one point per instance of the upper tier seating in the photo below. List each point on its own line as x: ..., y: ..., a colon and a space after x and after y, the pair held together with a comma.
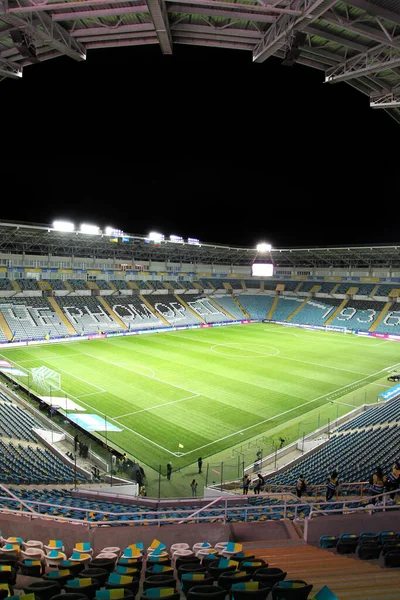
x: 325, y: 287
x: 177, y: 285
x: 172, y: 310
x: 134, y: 312
x: 15, y: 422
x: 121, y: 284
x: 386, y: 412
x: 55, y: 284
x: 207, y: 310
x: 385, y: 288
x: 236, y: 284
x: 359, y: 315
x: 285, y: 306
x: 316, y: 311
x: 228, y: 303
x: 290, y: 286
x: 28, y: 284
x: 31, y: 318
x: 103, y: 284
x: 28, y: 465
x: 86, y: 314
x: 257, y: 307
x: 211, y: 284
x: 5, y: 285
x: 252, y: 284
x: 368, y: 440
x: 391, y: 321
x: 363, y: 289
x: 78, y: 284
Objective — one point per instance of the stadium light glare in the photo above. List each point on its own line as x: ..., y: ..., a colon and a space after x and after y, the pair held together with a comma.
x: 63, y: 226
x: 176, y: 239
x: 91, y: 229
x: 155, y: 237
x: 263, y: 247
x: 112, y: 231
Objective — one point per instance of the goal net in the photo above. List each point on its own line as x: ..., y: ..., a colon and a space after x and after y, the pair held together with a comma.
x: 46, y: 379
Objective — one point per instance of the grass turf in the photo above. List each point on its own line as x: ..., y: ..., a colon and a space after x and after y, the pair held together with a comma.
x: 212, y: 389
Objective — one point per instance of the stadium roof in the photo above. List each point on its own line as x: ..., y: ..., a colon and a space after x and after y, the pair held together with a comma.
x: 357, y: 41
x: 32, y: 239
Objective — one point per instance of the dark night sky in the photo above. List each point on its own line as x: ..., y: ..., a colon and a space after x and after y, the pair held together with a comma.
x: 204, y: 144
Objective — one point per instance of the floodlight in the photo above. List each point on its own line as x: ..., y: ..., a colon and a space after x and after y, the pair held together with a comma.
x: 92, y: 229
x: 263, y: 247
x: 155, y: 237
x: 177, y: 239
x: 63, y: 226
x: 114, y: 232
x: 193, y: 241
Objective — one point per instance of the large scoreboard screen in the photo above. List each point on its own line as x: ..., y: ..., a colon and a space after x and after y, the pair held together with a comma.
x: 262, y: 269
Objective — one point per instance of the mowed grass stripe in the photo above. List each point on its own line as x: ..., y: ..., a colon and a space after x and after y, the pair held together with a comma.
x: 279, y: 377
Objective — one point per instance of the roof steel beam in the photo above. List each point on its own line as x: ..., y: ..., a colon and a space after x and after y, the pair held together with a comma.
x: 52, y: 6
x: 278, y: 35
x: 237, y: 6
x: 121, y: 43
x: 375, y: 11
x: 187, y: 29
x: 355, y: 26
x: 10, y: 69
x: 387, y: 100
x: 229, y: 13
x: 105, y: 31
x: 96, y: 14
x: 342, y: 41
x: 375, y: 60
x: 220, y: 39
x: 41, y: 27
x: 159, y: 16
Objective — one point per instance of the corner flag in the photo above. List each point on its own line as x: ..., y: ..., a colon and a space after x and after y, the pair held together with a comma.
x: 180, y: 446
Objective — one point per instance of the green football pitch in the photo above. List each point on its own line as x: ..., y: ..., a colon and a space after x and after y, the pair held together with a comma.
x: 183, y: 394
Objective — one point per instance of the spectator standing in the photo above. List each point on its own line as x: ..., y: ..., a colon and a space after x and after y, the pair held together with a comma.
x: 332, y: 485
x: 169, y: 470
x: 394, y: 479
x: 76, y: 442
x: 378, y: 482
x: 193, y: 485
x: 246, y: 484
x: 259, y: 484
x: 301, y: 486
x: 199, y: 464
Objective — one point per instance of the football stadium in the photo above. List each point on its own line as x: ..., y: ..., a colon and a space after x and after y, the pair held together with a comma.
x: 185, y: 419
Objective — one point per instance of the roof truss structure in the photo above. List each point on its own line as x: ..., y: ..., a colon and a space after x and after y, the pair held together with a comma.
x: 40, y: 240
x: 356, y: 41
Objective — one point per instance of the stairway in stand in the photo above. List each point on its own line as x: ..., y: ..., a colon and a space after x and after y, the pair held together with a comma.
x: 347, y: 576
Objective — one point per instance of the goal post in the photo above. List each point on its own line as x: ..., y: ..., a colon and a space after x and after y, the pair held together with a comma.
x: 46, y: 379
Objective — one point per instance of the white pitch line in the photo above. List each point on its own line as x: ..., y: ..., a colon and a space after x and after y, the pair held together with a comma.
x: 48, y: 357
x: 83, y: 380
x: 333, y: 335
x: 157, y: 406
x: 283, y: 413
x: 91, y: 394
x: 344, y: 403
x: 142, y: 374
x: 110, y: 418
x: 305, y: 362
